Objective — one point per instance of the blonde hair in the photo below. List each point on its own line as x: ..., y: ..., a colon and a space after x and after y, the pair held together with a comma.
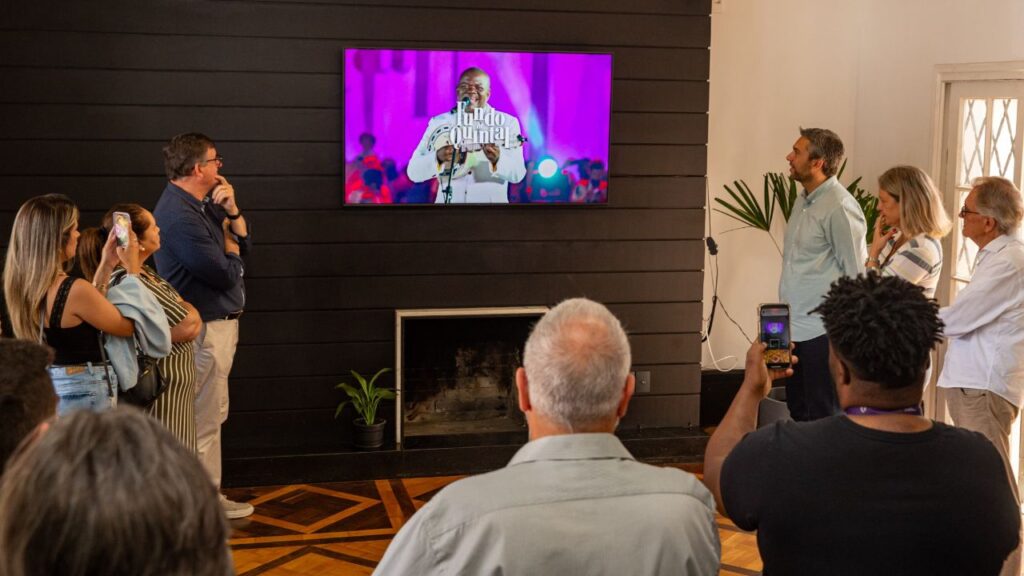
x: 921, y: 210
x: 35, y: 256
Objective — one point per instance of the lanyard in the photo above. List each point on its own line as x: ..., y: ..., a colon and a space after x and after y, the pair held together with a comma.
x: 868, y: 411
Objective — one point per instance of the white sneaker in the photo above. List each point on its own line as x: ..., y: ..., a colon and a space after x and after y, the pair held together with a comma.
x: 235, y: 510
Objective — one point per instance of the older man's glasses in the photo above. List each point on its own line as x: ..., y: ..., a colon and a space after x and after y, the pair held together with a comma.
x: 218, y: 159
x: 964, y: 211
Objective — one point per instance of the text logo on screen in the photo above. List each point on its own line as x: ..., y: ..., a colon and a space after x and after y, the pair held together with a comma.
x: 479, y: 127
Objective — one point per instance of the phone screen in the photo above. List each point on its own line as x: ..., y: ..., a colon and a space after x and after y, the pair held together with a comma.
x: 774, y: 328
x: 122, y: 222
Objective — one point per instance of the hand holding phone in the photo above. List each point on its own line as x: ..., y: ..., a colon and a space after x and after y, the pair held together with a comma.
x: 773, y: 320
x: 122, y: 224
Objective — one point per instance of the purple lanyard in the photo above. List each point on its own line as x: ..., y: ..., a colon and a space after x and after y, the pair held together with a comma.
x: 868, y: 411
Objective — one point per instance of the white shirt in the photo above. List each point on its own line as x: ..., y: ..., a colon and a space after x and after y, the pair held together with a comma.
x: 985, y: 325
x: 569, y: 504
x: 484, y: 183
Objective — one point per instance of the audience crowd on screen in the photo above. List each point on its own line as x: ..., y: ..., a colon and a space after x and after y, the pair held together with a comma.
x: 370, y: 179
x: 859, y: 481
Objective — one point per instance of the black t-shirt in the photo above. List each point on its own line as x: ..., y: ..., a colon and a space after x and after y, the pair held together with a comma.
x: 833, y: 497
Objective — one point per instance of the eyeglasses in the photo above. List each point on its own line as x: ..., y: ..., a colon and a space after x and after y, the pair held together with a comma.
x: 964, y: 211
x: 218, y: 159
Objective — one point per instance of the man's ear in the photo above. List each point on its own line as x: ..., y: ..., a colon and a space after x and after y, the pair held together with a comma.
x: 523, y: 388
x: 990, y: 224
x: 627, y: 394
x: 819, y: 163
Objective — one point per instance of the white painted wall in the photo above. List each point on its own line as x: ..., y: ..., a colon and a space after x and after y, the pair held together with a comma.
x: 865, y: 69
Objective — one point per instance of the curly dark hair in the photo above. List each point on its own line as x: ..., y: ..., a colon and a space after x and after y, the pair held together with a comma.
x: 883, y: 327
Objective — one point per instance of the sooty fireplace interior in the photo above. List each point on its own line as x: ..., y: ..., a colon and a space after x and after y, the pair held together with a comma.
x: 456, y: 375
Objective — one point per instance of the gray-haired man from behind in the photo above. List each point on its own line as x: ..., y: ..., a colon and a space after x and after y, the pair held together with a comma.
x: 572, y: 500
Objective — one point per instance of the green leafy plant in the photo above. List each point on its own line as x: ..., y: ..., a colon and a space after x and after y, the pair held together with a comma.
x: 780, y: 191
x: 868, y: 203
x: 366, y: 397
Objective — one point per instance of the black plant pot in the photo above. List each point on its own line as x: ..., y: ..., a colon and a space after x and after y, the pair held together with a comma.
x: 368, y: 436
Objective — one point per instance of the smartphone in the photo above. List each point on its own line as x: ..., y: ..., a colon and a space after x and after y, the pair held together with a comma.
x: 774, y: 331
x: 122, y: 223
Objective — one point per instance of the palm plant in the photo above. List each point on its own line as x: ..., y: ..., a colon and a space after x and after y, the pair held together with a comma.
x: 780, y: 190
x: 366, y: 397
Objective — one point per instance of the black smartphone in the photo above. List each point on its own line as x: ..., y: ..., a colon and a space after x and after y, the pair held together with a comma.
x: 774, y: 330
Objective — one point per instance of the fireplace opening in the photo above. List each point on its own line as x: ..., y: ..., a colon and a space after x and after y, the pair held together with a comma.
x: 458, y: 379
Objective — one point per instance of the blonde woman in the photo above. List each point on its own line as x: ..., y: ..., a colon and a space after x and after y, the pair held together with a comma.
x: 911, y: 221
x: 67, y: 313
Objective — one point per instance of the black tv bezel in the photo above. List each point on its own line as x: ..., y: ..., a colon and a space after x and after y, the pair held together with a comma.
x: 464, y: 206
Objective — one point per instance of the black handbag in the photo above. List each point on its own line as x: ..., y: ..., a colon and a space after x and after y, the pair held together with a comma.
x: 150, y: 385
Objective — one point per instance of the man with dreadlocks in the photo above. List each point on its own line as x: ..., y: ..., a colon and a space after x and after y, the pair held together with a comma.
x: 878, y: 488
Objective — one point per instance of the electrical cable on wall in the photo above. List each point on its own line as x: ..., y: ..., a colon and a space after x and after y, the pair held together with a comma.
x: 715, y: 300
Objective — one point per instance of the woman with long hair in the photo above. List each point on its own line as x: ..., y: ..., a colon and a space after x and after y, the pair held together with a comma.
x: 44, y: 303
x: 910, y: 224
x: 175, y: 408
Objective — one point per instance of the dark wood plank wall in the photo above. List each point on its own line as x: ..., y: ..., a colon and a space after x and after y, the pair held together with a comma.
x: 92, y: 90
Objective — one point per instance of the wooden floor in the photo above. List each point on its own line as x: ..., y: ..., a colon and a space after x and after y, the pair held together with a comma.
x: 343, y: 528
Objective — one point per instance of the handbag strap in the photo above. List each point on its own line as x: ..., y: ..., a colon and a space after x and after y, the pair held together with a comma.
x: 106, y: 364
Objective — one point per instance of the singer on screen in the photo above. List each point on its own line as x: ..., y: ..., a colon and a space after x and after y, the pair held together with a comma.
x: 473, y: 150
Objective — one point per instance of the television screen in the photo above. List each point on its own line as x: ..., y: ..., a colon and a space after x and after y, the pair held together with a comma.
x: 459, y: 127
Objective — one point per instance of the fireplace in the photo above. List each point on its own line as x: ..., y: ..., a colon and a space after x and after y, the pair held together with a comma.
x: 455, y: 373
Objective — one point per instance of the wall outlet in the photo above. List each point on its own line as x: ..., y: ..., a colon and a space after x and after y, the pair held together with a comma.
x: 643, y: 381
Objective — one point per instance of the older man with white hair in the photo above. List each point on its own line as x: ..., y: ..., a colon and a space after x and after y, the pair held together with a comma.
x: 572, y: 500
x: 984, y: 369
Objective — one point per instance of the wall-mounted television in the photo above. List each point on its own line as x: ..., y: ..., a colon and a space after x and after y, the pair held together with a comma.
x: 464, y: 127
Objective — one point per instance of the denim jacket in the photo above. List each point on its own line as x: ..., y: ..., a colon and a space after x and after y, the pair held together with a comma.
x: 152, y: 331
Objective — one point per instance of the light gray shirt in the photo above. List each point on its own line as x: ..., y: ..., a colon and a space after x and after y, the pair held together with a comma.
x: 570, y: 504
x: 825, y: 239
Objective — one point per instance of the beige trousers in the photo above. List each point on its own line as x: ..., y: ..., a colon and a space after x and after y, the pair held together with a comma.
x: 992, y: 416
x: 215, y: 353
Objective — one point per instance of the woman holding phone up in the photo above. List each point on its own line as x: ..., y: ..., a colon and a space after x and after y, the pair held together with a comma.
x: 175, y: 408
x: 44, y: 303
x: 910, y: 224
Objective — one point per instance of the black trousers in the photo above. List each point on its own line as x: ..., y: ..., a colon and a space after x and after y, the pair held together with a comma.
x: 810, y: 392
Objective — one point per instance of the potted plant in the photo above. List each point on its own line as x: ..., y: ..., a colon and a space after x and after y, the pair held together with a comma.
x: 366, y: 397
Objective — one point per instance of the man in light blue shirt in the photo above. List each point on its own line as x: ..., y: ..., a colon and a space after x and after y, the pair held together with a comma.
x: 572, y: 500
x: 825, y: 239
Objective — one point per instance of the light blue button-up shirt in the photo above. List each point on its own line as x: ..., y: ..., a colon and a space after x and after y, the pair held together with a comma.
x: 569, y: 504
x: 825, y: 239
